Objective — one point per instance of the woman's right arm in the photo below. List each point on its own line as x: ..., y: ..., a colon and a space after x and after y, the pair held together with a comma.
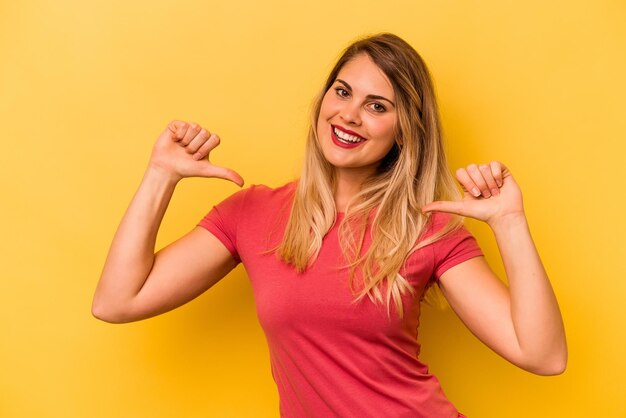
x: 136, y: 283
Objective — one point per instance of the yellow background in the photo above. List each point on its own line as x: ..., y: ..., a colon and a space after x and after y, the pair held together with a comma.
x: 85, y: 88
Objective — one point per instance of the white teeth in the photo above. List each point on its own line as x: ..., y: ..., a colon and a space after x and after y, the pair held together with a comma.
x: 347, y: 137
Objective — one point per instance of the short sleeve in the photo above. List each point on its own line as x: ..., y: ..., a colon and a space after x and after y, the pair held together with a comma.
x: 454, y: 248
x: 222, y: 221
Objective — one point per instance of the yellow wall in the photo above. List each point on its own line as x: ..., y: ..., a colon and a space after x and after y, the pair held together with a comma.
x: 85, y: 87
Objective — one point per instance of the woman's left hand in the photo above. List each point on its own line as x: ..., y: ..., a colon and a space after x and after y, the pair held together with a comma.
x: 490, y: 194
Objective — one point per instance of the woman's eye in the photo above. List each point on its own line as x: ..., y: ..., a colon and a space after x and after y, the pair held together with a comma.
x: 341, y: 92
x: 377, y: 107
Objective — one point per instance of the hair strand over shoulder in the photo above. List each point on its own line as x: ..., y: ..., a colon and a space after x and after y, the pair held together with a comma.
x: 389, y: 204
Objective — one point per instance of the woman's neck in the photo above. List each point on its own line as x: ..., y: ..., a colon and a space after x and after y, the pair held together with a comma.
x: 348, y: 184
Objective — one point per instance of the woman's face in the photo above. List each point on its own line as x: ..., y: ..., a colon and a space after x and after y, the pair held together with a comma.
x: 357, y: 117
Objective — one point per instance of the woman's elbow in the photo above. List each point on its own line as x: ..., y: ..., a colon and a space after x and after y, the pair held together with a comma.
x: 551, y: 369
x: 107, y: 313
x: 553, y: 366
x: 102, y: 314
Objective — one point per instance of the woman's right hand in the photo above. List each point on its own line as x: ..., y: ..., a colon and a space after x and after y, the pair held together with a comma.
x: 182, y: 150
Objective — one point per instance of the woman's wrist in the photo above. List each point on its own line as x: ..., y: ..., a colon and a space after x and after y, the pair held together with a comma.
x: 162, y: 175
x: 508, y: 222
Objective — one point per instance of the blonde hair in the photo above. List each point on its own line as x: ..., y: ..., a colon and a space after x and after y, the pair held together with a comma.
x: 411, y: 175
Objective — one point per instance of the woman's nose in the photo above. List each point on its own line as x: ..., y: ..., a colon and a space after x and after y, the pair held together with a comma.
x: 350, y: 113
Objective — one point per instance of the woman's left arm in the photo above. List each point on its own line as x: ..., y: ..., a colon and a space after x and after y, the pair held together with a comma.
x: 523, y: 322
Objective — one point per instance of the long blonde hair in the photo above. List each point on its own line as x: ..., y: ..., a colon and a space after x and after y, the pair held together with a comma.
x: 411, y: 175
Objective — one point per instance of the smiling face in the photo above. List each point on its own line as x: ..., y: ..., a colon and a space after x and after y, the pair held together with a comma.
x: 357, y: 118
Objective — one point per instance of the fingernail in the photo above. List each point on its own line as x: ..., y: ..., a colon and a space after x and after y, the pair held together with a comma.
x: 495, y: 192
x: 475, y: 192
x: 486, y: 195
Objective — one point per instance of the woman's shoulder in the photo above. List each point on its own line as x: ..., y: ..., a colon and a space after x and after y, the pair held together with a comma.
x: 440, y: 222
x: 263, y: 197
x: 256, y: 202
x: 263, y: 192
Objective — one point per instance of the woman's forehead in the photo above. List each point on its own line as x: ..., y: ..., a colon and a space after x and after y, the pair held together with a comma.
x: 363, y: 75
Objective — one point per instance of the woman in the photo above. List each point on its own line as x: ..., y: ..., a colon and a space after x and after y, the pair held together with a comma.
x: 340, y: 260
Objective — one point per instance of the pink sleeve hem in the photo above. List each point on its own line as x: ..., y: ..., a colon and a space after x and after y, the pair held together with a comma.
x: 221, y: 236
x: 456, y: 261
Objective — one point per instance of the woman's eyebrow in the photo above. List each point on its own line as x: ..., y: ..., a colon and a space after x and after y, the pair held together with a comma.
x: 369, y: 96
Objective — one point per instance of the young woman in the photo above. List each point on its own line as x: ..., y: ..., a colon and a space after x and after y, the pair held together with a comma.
x: 340, y: 260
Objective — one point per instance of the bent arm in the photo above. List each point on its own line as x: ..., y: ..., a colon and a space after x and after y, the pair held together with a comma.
x: 136, y: 283
x: 523, y: 322
x: 534, y: 308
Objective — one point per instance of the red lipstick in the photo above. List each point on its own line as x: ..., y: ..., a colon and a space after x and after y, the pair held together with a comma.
x: 344, y: 144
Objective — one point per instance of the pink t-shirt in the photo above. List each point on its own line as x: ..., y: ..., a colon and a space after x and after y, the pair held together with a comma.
x: 331, y: 357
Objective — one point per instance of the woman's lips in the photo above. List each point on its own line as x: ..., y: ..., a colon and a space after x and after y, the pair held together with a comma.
x: 344, y: 143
